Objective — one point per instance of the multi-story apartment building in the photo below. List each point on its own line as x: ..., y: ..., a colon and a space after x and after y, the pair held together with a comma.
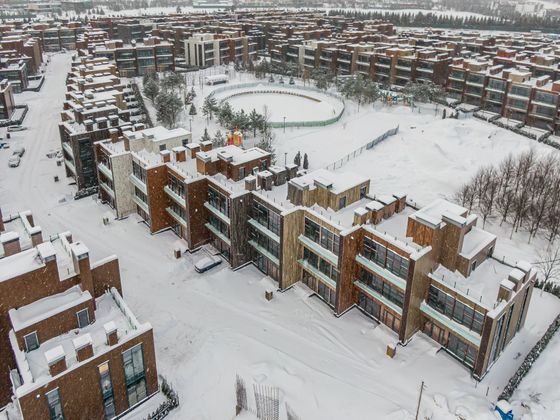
x: 70, y: 346
x: 208, y: 49
x: 136, y: 59
x: 429, y: 270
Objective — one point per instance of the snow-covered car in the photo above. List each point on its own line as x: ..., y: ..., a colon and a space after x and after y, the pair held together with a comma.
x: 13, y: 161
x: 207, y: 263
x: 13, y: 128
x: 18, y: 151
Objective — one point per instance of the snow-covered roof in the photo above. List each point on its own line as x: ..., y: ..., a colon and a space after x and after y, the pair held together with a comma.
x: 20, y: 263
x: 433, y: 213
x: 475, y: 241
x: 337, y: 182
x: 47, y: 307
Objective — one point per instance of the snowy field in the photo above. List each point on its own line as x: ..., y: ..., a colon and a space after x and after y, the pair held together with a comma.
x: 210, y: 327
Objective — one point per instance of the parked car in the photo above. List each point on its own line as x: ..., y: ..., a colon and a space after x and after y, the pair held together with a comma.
x: 13, y: 161
x: 207, y: 263
x: 13, y: 128
x: 19, y: 151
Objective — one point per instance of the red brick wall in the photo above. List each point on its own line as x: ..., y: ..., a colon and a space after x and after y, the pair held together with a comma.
x: 105, y: 276
x: 157, y: 198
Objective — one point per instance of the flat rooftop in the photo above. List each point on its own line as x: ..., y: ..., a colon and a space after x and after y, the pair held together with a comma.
x: 482, y: 285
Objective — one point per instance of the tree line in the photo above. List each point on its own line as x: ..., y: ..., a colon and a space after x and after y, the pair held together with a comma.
x: 522, y: 190
x: 515, y: 22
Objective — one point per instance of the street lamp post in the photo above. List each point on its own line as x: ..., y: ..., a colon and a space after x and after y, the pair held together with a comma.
x: 190, y: 124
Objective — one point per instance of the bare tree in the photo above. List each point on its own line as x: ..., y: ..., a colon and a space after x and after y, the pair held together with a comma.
x: 488, y: 200
x: 548, y: 264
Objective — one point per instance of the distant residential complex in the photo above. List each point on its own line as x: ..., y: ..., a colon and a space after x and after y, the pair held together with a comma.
x: 70, y: 346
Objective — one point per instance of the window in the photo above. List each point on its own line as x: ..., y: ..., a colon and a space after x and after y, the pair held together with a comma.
x: 363, y: 191
x: 342, y: 202
x: 242, y: 172
x: 461, y: 350
x: 162, y: 147
x: 385, y: 258
x: 384, y: 289
x: 263, y: 165
x: 218, y: 201
x: 456, y: 310
x: 83, y: 318
x: 55, y: 407
x: 133, y: 361
x: 473, y: 266
x: 322, y: 236
x: 107, y: 390
x: 31, y: 341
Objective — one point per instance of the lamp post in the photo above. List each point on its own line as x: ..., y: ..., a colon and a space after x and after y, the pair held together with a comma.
x: 190, y: 124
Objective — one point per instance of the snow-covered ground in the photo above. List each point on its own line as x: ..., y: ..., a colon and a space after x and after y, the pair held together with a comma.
x: 210, y: 327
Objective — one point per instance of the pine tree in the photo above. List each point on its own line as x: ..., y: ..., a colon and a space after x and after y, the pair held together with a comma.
x: 151, y: 89
x: 305, y: 162
x: 297, y: 159
x: 168, y: 106
x: 192, y: 111
x: 218, y: 140
x: 205, y: 136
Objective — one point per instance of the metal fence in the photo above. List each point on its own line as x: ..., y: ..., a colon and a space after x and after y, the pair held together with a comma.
x: 273, y: 87
x: 359, y: 151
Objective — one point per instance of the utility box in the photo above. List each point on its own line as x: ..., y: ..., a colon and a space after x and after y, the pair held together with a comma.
x: 391, y: 350
x: 268, y: 295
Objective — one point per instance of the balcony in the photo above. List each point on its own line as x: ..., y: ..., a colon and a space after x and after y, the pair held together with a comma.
x: 138, y: 183
x: 457, y: 78
x: 385, y: 274
x: 317, y: 274
x: 219, y: 234
x: 140, y: 203
x: 176, y: 216
x: 176, y: 197
x: 107, y: 189
x: 425, y: 69
x: 403, y: 68
x: 68, y: 149
x: 105, y: 170
x: 70, y: 166
x: 319, y: 250
x: 265, y: 231
x: 217, y: 213
x: 264, y: 252
x: 377, y: 296
x: 383, y: 65
x: 457, y: 328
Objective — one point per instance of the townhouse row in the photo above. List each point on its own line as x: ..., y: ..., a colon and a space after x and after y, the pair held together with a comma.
x: 70, y: 347
x: 427, y: 270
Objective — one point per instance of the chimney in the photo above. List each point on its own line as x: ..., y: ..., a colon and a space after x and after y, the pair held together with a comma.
x: 193, y: 149
x: 250, y: 183
x: 111, y: 333
x: 56, y: 359
x: 101, y: 122
x: 292, y: 170
x: 401, y: 202
x: 180, y: 154
x: 265, y: 180
x: 80, y: 258
x: 165, y: 156
x: 114, y: 120
x: 89, y: 125
x: 114, y: 135
x: 376, y: 209
x: 83, y: 346
x: 206, y: 146
x: 10, y: 243
x: 360, y: 216
x: 36, y: 236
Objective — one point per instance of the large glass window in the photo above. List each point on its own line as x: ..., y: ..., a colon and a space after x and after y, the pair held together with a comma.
x: 133, y: 361
x: 456, y: 310
x: 384, y: 289
x: 138, y: 171
x: 107, y: 390
x: 322, y: 265
x: 322, y: 236
x: 219, y: 225
x: 385, y: 258
x: 265, y: 242
x: 266, y: 217
x: 463, y: 351
x: 218, y: 201
x: 55, y: 406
